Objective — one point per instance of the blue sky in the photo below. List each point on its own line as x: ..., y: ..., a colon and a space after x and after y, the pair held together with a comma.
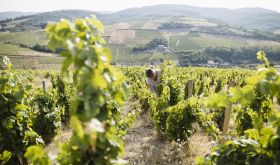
x: 115, y: 5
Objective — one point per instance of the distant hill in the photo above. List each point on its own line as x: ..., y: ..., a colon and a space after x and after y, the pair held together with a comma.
x: 249, y: 18
x: 35, y: 21
x: 12, y: 15
x: 253, y: 18
x: 139, y: 35
x: 57, y: 15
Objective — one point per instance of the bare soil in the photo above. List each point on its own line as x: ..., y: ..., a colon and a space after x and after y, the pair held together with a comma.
x: 144, y: 146
x: 52, y: 148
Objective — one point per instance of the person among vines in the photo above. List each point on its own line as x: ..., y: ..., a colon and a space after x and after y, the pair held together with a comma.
x: 153, y: 79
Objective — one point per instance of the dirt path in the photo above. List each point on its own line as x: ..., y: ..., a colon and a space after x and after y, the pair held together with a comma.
x: 144, y: 146
x: 63, y: 136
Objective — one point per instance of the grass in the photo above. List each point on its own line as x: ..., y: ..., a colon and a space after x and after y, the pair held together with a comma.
x: 29, y: 62
x: 148, y: 34
x: 122, y: 53
x: 263, y: 43
x: 14, y: 50
x: 29, y: 38
x: 158, y: 56
x: 210, y: 41
x: 8, y: 49
x: 194, y: 42
x: 119, y: 52
x: 184, y: 43
x: 50, y: 60
x: 125, y: 55
x: 137, y: 25
x: 193, y: 34
x: 24, y: 58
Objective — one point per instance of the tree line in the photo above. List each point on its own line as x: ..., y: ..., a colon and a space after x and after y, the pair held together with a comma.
x: 245, y: 55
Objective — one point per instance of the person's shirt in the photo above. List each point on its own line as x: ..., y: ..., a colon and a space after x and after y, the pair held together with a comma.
x: 153, y: 83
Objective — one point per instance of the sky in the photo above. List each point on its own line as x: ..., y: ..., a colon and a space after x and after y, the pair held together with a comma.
x: 116, y: 5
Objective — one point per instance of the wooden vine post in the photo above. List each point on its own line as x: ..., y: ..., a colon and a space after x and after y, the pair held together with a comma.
x: 190, y: 88
x: 44, y: 86
x: 227, y: 117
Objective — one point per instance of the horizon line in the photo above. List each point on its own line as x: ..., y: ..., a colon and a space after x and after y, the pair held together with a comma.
x: 114, y: 11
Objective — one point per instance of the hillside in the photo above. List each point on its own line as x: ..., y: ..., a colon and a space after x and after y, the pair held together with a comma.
x: 249, y: 18
x: 255, y: 18
x: 12, y: 15
x: 39, y: 21
x: 139, y: 41
x: 188, y: 35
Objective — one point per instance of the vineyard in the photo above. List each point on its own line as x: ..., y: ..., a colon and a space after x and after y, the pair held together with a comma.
x: 236, y: 109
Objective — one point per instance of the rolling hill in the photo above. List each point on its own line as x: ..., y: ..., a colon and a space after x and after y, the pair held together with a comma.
x: 249, y: 18
x: 194, y: 35
x: 12, y: 15
x: 39, y: 21
x: 253, y: 18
